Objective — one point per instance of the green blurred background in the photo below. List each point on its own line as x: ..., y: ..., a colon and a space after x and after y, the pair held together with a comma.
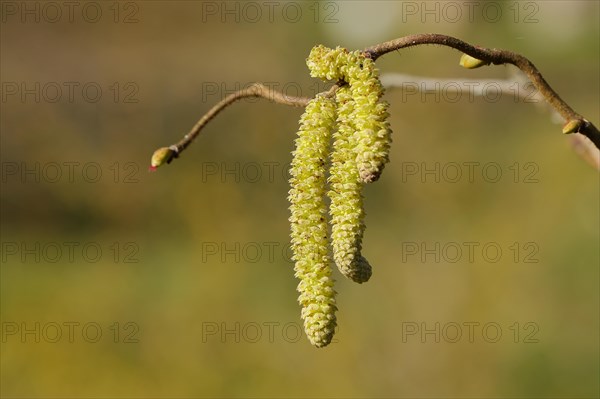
x: 192, y: 293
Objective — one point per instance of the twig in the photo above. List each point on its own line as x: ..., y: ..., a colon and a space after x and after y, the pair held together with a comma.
x: 254, y: 90
x: 496, y: 57
x: 586, y: 150
x: 583, y: 147
x: 489, y: 56
x: 472, y: 87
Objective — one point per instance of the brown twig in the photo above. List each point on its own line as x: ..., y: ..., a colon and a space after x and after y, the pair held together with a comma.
x: 472, y: 87
x: 254, y: 90
x: 489, y: 56
x: 496, y: 57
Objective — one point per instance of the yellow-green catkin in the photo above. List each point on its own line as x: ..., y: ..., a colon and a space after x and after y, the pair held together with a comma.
x: 370, y: 117
x: 346, y: 208
x: 308, y: 221
x: 325, y: 63
x: 372, y: 130
x: 360, y: 150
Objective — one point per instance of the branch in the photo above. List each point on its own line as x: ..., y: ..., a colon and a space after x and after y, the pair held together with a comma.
x: 580, y: 144
x: 575, y: 122
x: 586, y: 150
x: 254, y: 90
x: 496, y: 57
x: 473, y: 87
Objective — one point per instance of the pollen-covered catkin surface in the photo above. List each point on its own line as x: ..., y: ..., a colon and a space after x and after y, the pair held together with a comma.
x: 370, y: 117
x: 372, y: 130
x: 325, y: 63
x: 346, y: 208
x: 308, y: 221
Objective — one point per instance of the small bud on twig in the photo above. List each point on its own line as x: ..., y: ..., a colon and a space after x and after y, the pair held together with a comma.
x: 466, y: 61
x: 572, y: 126
x: 161, y: 156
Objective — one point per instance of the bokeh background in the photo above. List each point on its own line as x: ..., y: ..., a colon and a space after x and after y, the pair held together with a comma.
x: 117, y: 282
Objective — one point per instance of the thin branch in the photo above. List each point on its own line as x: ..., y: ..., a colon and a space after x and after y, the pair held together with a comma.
x: 254, y: 90
x: 586, y: 150
x: 496, y: 57
x: 490, y: 56
x: 583, y: 147
x: 472, y: 87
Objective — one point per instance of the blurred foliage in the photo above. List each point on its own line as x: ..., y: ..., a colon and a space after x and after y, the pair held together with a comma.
x: 175, y: 55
